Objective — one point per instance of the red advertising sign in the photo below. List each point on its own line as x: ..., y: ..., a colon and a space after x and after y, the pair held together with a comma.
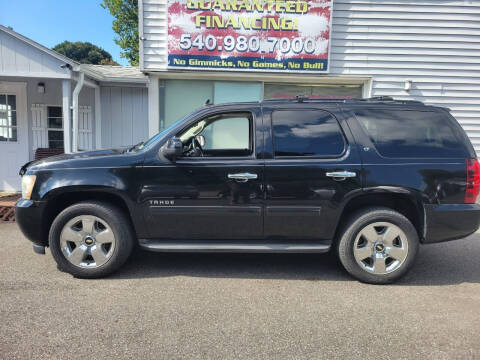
x: 245, y: 35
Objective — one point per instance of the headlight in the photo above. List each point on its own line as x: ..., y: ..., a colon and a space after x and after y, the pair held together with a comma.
x: 27, y: 186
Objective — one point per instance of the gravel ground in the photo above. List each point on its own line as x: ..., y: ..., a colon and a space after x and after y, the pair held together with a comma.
x: 234, y: 306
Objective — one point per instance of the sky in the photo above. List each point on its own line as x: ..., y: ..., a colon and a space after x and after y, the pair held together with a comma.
x: 50, y: 22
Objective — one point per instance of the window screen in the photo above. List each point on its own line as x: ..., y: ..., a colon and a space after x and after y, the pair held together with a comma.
x: 306, y: 133
x: 409, y: 134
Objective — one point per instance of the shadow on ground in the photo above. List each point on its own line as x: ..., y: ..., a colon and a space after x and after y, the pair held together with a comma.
x: 439, y: 264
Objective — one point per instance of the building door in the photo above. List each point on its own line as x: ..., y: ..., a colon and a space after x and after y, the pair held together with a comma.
x: 13, y: 134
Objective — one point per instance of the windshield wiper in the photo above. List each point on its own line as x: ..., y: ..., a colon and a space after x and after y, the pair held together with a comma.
x: 135, y: 146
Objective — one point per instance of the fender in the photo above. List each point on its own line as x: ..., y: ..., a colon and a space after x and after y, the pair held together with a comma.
x: 386, y: 196
x: 98, y: 182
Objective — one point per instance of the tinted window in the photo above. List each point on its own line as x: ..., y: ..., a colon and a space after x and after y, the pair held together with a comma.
x: 401, y: 134
x: 306, y: 133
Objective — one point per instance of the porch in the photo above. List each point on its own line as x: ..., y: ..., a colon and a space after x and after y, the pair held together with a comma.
x: 49, y: 104
x: 7, y: 205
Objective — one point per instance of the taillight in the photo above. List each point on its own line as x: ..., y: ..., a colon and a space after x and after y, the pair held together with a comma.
x: 473, y: 181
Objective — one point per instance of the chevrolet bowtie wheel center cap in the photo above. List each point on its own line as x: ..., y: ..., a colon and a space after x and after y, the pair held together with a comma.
x: 379, y: 247
x: 89, y: 240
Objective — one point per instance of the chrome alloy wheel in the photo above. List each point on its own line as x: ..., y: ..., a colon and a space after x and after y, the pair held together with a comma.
x: 380, y: 248
x: 87, y: 241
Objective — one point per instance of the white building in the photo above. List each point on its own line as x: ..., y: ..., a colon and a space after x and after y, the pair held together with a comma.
x: 50, y: 102
x: 425, y: 50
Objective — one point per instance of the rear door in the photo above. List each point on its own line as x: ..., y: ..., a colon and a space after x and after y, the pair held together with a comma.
x: 312, y: 168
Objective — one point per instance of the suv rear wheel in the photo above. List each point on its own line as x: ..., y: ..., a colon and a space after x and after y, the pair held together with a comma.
x: 378, y: 245
x: 91, y: 239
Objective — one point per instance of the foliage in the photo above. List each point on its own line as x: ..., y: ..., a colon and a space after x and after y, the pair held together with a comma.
x: 108, y: 62
x: 85, y: 53
x: 125, y: 25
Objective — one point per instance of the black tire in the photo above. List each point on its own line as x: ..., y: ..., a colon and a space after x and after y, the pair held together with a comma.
x: 119, y: 224
x: 355, y: 224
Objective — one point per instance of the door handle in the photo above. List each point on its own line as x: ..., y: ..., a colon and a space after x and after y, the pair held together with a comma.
x: 242, y: 177
x: 341, y: 175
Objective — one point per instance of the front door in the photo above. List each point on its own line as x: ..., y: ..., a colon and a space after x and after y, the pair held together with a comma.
x: 13, y: 134
x: 312, y: 168
x: 215, y: 191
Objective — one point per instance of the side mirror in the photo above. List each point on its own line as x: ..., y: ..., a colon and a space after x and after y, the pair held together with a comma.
x: 201, y: 140
x: 173, y: 149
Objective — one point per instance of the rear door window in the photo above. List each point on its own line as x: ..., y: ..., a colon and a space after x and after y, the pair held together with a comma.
x: 411, y: 134
x: 306, y: 133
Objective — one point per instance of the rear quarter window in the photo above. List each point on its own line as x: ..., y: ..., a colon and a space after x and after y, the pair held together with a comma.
x: 411, y: 134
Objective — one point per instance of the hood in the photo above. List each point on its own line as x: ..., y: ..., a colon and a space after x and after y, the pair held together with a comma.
x: 81, y: 160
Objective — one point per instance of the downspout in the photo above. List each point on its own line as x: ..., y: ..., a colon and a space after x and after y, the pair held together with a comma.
x: 98, y: 113
x: 76, y: 92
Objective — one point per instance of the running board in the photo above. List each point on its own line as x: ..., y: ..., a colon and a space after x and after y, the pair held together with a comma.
x: 246, y: 246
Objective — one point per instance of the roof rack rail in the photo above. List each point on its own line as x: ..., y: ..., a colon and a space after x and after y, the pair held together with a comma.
x: 302, y: 98
x: 377, y: 98
x: 384, y: 99
x: 387, y: 99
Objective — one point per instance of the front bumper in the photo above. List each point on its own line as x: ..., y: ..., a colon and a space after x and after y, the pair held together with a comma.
x: 451, y: 221
x: 29, y: 216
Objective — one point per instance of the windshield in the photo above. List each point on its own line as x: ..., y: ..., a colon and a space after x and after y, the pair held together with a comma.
x: 159, y: 135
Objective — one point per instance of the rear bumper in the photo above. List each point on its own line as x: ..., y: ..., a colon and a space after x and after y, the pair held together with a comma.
x: 29, y: 215
x: 451, y: 221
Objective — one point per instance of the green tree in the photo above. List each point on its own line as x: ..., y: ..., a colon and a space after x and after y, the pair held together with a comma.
x: 125, y: 25
x: 85, y: 53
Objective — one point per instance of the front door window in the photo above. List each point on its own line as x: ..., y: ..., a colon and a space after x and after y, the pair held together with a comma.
x: 8, y: 118
x: 221, y: 135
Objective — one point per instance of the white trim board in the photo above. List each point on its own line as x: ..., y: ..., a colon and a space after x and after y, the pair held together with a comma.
x: 15, y: 154
x: 40, y: 75
x: 256, y: 77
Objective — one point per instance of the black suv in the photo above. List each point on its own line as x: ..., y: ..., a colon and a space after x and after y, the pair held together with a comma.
x: 371, y: 179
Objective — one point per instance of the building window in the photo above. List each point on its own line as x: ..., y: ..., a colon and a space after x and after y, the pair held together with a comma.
x: 320, y: 91
x: 8, y: 118
x: 55, y: 127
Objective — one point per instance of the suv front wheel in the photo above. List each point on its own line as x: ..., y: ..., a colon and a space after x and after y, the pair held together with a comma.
x: 378, y: 245
x: 91, y: 239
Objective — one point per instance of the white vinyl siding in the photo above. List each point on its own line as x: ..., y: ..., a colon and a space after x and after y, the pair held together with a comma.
x: 435, y: 44
x: 154, y: 34
x: 20, y: 59
x: 124, y: 115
